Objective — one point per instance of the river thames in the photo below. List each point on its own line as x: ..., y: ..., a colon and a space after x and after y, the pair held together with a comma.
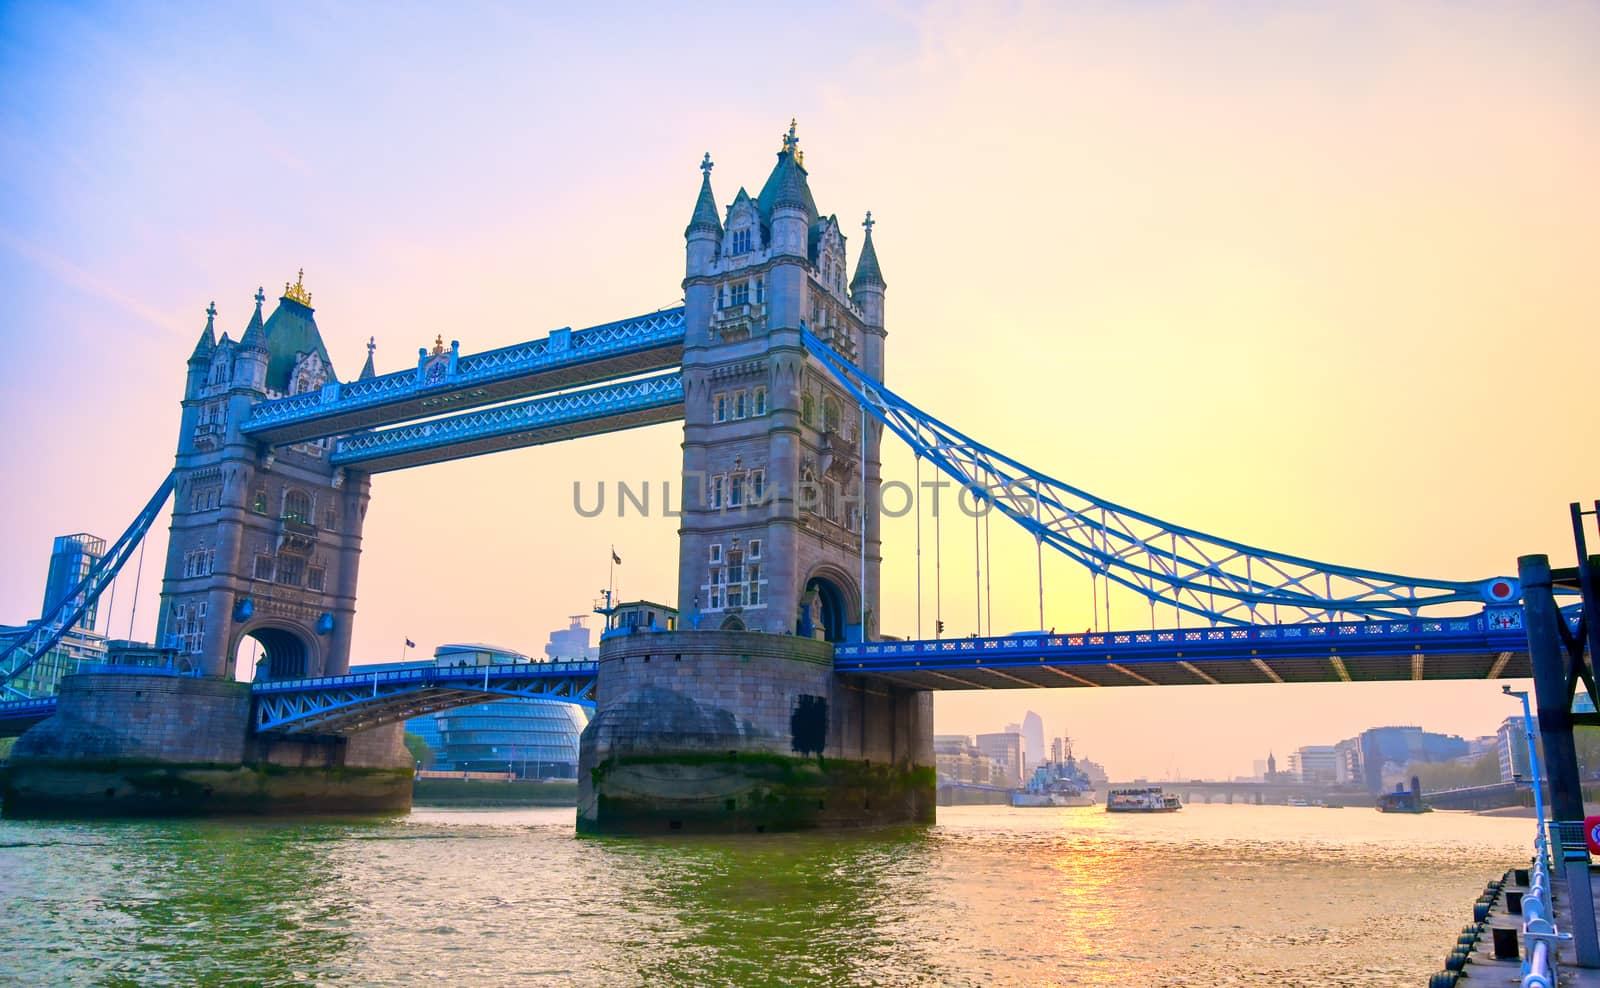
x: 1214, y: 895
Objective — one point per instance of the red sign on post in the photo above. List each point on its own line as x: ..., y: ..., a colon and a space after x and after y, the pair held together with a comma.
x: 1591, y: 833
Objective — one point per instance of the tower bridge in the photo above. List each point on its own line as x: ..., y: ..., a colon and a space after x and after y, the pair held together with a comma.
x: 774, y: 363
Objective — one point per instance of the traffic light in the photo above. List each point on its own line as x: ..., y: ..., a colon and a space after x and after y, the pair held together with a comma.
x: 938, y: 628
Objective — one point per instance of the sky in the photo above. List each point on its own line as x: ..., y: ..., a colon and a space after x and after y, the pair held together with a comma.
x: 1312, y: 277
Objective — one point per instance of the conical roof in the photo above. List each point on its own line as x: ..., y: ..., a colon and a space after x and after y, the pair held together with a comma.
x: 705, y: 208
x: 255, y: 336
x: 867, y: 271
x: 208, y: 338
x: 367, y: 371
x: 787, y: 185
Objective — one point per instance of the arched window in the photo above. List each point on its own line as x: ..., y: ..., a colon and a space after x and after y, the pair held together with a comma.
x: 808, y: 409
x: 297, y: 506
x: 831, y: 417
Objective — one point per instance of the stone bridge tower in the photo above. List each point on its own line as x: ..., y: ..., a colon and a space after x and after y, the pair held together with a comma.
x: 775, y: 534
x: 265, y: 542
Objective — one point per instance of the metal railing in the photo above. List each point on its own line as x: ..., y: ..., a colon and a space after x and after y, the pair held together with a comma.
x: 1538, y: 921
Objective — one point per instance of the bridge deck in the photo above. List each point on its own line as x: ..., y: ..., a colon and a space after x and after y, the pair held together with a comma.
x: 1372, y: 651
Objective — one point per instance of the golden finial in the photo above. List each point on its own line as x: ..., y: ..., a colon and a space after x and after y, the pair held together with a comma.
x: 438, y: 344
x: 297, y: 291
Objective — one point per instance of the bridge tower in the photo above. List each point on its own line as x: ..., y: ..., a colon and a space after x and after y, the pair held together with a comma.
x: 775, y: 534
x: 265, y: 542
x: 737, y: 720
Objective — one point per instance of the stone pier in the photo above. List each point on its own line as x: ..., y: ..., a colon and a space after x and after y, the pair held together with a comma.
x: 137, y: 744
x: 737, y: 731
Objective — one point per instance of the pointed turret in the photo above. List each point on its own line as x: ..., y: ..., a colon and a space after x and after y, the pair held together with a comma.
x: 250, y: 359
x: 254, y: 335
x: 704, y: 232
x: 868, y: 274
x: 367, y: 372
x: 705, y: 218
x: 208, y: 338
x: 787, y: 209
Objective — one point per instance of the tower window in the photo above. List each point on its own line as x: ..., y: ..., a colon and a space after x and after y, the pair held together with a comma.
x: 264, y: 568
x: 258, y: 501
x: 297, y: 507
x: 741, y: 241
x: 719, y: 406
x: 755, y: 548
x: 717, y: 484
x: 289, y: 571
x: 316, y: 576
x: 808, y: 409
x: 741, y: 405
x: 741, y: 293
x: 758, y: 402
x: 716, y: 552
x: 758, y: 488
x: 761, y: 291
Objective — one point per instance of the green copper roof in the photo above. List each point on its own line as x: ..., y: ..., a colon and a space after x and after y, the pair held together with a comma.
x: 787, y: 186
x: 290, y: 332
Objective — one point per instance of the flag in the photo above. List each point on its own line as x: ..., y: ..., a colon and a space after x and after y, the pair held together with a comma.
x: 614, y: 557
x: 410, y: 643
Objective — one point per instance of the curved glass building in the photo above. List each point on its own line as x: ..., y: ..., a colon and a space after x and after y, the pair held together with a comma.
x: 532, y: 739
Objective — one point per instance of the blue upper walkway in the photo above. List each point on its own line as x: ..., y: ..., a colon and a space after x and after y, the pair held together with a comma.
x: 565, y: 359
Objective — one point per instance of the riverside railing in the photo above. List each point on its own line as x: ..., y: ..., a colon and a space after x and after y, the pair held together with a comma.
x: 1539, y: 930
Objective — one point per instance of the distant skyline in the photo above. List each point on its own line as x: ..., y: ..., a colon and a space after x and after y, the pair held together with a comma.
x: 1317, y: 279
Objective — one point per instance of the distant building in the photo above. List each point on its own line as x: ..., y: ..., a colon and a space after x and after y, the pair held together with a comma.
x: 1032, y: 742
x: 572, y: 642
x: 1511, y: 744
x: 1347, y: 762
x: 1387, y: 751
x: 1315, y: 763
x: 1005, y: 749
x: 71, y: 557
x: 959, y: 760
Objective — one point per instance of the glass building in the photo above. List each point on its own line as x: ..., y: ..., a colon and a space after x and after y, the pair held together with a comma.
x: 71, y: 558
x: 532, y: 739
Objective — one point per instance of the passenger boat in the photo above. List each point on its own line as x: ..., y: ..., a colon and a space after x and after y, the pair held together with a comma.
x: 1148, y: 799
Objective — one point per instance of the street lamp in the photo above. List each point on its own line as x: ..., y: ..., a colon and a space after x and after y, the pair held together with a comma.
x: 1533, y: 752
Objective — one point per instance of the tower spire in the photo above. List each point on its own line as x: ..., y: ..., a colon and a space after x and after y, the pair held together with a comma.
x: 705, y: 208
x: 366, y: 370
x: 867, y: 271
x: 208, y: 337
x: 254, y: 335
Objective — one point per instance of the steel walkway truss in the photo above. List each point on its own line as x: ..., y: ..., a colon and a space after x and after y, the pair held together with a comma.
x: 340, y: 705
x: 565, y: 359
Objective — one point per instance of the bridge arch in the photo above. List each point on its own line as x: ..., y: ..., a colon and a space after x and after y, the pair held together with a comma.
x: 286, y: 652
x: 834, y: 601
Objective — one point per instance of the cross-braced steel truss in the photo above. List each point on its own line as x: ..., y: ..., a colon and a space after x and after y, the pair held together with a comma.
x: 348, y: 704
x: 1217, y: 579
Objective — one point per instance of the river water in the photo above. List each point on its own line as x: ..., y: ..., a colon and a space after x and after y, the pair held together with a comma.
x: 1214, y: 895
